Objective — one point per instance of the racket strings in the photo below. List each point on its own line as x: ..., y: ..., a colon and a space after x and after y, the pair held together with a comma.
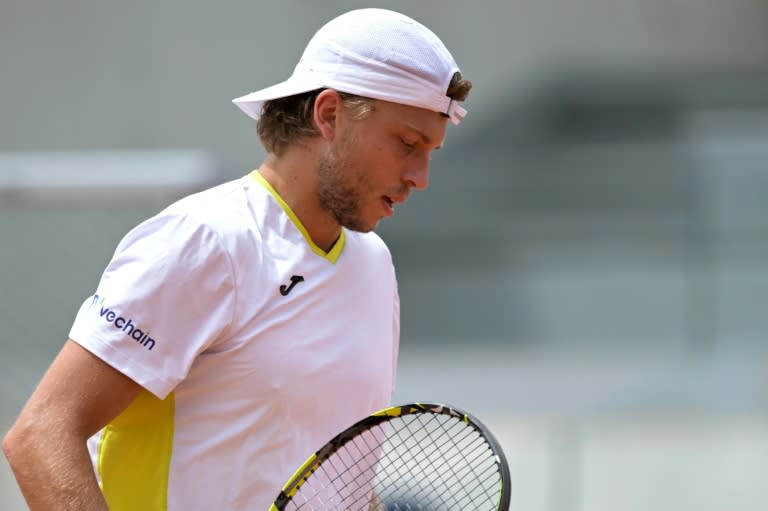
x: 457, y: 453
x: 435, y: 462
x: 424, y: 462
x: 344, y: 480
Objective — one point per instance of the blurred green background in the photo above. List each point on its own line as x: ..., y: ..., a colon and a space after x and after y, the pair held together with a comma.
x: 588, y: 272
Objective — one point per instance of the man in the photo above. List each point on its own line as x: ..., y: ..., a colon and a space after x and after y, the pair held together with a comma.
x: 237, y: 331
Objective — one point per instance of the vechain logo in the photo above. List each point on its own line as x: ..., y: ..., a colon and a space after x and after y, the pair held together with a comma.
x: 124, y: 324
x: 97, y: 300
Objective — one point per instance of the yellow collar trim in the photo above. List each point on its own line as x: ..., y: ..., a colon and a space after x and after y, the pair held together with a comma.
x: 335, y: 251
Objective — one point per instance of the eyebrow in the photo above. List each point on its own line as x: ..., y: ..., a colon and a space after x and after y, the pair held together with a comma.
x: 421, y: 134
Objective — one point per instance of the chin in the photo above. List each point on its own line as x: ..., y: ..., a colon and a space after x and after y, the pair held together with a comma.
x: 361, y: 226
x: 358, y: 228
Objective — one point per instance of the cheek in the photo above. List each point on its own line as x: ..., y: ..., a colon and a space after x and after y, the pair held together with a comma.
x: 371, y: 161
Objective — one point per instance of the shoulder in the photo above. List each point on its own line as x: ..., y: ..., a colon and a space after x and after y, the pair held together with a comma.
x: 370, y: 244
x: 216, y: 207
x: 211, y: 224
x: 227, y: 211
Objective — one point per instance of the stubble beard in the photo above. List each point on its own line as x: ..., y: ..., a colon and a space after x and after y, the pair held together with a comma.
x: 339, y: 186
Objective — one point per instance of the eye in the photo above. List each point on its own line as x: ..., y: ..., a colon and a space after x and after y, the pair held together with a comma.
x: 408, y: 144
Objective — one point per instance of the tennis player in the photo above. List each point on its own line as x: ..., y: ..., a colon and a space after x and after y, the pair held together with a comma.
x: 225, y: 330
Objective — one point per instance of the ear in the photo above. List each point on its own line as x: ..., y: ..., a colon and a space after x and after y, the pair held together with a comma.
x: 327, y: 109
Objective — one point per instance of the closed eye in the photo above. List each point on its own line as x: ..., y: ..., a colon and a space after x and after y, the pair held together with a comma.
x: 410, y: 146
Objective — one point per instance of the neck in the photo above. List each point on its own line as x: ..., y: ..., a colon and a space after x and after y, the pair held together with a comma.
x: 293, y: 176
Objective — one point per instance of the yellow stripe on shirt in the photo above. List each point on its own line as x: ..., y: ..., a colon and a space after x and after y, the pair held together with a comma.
x: 333, y: 255
x: 135, y: 455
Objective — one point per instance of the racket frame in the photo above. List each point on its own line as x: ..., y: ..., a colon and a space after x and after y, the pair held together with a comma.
x: 307, y: 468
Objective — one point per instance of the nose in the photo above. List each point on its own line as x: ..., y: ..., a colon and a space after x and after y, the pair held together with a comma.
x: 417, y: 174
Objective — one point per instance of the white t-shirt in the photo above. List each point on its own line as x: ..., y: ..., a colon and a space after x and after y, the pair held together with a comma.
x: 254, y: 346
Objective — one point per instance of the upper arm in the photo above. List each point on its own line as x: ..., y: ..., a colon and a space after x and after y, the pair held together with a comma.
x: 79, y: 393
x: 167, y: 295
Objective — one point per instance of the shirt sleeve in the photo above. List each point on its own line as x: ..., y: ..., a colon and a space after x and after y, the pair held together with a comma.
x: 167, y: 294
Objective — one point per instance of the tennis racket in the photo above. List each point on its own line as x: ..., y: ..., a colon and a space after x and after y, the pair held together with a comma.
x: 426, y: 457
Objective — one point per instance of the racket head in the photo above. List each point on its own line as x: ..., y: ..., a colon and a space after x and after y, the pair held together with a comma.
x: 414, y: 456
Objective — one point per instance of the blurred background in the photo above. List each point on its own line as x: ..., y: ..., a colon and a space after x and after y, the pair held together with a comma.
x: 588, y: 272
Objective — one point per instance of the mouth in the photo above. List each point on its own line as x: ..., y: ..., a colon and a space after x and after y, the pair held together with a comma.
x: 390, y: 201
x: 389, y: 205
x: 397, y: 199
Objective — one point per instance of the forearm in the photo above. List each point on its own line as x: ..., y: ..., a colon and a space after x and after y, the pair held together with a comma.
x: 53, y: 470
x: 46, y: 448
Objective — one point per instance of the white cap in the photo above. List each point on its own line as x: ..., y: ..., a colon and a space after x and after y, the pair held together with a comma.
x: 375, y: 53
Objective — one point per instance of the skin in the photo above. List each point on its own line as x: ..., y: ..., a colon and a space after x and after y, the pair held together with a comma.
x: 46, y: 447
x: 350, y: 175
x: 360, y: 165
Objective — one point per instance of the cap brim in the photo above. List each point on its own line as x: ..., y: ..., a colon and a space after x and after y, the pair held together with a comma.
x: 252, y: 103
